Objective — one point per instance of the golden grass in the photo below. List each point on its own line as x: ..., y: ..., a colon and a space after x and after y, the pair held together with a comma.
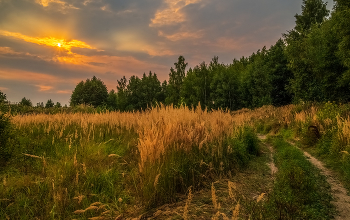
x: 213, y: 197
x: 158, y: 129
x: 188, y: 202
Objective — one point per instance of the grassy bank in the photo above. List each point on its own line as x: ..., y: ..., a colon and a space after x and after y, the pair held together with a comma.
x: 323, y: 129
x: 300, y: 191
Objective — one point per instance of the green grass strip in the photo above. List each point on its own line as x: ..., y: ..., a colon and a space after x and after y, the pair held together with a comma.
x: 300, y: 191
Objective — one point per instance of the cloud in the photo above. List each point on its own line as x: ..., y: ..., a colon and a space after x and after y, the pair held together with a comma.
x: 171, y: 13
x: 62, y: 4
x: 3, y: 88
x: 7, y: 50
x: 64, y: 92
x: 181, y: 35
x: 43, y: 88
x: 45, y: 3
x: 48, y: 41
x: 20, y: 75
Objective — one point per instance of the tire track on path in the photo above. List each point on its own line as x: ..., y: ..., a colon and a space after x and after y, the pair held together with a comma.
x: 272, y: 165
x: 342, y: 200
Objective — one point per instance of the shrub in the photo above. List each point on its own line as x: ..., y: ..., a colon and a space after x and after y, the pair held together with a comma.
x: 6, y: 140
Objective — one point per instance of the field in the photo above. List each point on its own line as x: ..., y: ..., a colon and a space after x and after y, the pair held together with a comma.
x: 119, y: 165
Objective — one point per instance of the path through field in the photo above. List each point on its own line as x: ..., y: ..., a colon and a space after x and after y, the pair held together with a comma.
x: 342, y: 200
x: 271, y: 163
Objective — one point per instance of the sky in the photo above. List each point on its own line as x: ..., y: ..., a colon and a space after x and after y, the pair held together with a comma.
x: 48, y: 46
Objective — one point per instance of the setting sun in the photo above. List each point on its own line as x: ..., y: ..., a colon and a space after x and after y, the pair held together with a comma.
x: 59, y: 45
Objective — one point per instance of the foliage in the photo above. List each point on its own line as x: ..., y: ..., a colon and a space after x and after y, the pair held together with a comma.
x: 58, y: 105
x: 112, y: 100
x: 2, y: 97
x: 7, y: 140
x: 91, y: 92
x: 49, y: 104
x: 26, y: 102
x: 176, y: 77
x: 143, y: 93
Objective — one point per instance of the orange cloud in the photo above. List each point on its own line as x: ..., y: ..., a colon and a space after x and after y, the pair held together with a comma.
x: 48, y: 41
x: 64, y: 91
x: 172, y: 13
x: 3, y: 89
x: 181, y: 35
x: 45, y: 3
x: 107, y: 63
x: 20, y: 75
x: 44, y: 88
x: 7, y: 50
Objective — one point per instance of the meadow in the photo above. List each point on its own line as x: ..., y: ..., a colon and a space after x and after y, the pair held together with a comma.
x: 112, y: 165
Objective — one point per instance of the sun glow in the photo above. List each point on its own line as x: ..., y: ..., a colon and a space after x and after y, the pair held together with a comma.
x: 49, y: 41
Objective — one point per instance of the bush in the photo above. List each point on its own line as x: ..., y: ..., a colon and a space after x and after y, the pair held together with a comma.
x: 6, y: 140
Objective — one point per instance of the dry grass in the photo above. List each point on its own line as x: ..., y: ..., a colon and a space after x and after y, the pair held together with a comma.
x: 158, y: 128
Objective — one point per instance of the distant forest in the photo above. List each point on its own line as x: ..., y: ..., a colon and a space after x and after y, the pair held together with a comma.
x: 311, y: 62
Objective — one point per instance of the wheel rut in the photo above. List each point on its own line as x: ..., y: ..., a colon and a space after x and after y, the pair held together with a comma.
x: 271, y: 164
x: 342, y: 200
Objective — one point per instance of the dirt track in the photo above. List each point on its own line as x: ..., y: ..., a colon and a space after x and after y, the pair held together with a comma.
x: 271, y: 163
x: 342, y: 200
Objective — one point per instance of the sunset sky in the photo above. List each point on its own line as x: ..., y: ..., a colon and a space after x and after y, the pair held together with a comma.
x: 48, y: 46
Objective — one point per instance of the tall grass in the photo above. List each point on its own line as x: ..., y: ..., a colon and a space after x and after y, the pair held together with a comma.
x: 69, y: 161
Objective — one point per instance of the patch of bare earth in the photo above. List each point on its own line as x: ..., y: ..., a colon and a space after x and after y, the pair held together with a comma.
x: 342, y: 200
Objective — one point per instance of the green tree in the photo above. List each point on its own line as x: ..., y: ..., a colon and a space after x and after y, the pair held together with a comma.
x: 122, y: 101
x: 280, y: 74
x: 2, y: 97
x: 91, y: 92
x: 58, y: 105
x: 112, y: 100
x: 341, y: 21
x: 25, y: 102
x: 190, y: 88
x: 306, y: 83
x: 144, y: 93
x: 150, y: 90
x: 176, y: 77
x: 196, y: 85
x: 133, y: 94
x: 258, y: 80
x: 225, y: 87
x: 313, y: 12
x: 49, y: 104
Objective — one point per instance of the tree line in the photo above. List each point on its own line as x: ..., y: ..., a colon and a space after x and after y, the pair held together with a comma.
x: 311, y: 62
